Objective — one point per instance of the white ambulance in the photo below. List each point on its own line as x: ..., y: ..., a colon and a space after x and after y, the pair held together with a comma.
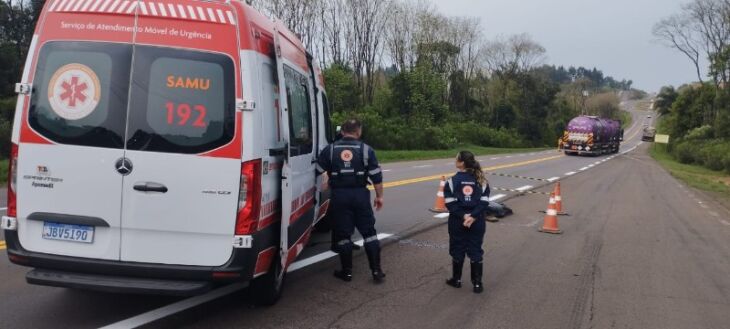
x: 164, y: 146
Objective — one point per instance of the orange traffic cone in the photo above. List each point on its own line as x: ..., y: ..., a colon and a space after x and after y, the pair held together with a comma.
x: 550, y: 224
x: 558, y: 200
x: 439, y: 206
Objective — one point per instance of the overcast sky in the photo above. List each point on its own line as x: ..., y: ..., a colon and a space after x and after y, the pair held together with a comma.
x: 613, y: 36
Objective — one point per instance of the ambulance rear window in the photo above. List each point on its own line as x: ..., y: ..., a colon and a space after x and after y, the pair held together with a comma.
x: 80, y: 93
x: 182, y: 101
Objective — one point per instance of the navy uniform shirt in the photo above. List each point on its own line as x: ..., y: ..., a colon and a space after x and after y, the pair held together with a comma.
x: 361, y: 160
x: 464, y: 195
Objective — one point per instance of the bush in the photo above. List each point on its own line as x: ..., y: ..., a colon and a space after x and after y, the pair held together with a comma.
x: 704, y: 132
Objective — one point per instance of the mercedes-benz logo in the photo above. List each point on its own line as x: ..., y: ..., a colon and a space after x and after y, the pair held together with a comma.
x: 124, y: 166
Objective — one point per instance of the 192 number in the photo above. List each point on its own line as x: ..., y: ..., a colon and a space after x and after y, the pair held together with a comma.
x: 182, y: 115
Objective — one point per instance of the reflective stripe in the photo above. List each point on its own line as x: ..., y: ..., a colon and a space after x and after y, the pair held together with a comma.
x: 450, y: 200
x: 343, y: 146
x: 371, y: 239
x: 375, y: 172
x: 347, y: 171
x: 320, y: 169
x: 344, y: 242
x: 451, y: 184
x: 360, y: 173
x: 365, y: 154
x: 485, y: 198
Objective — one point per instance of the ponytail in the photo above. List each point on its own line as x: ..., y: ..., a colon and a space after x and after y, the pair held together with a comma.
x: 472, y: 166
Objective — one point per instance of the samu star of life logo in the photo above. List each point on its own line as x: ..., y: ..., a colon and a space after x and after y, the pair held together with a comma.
x: 74, y: 91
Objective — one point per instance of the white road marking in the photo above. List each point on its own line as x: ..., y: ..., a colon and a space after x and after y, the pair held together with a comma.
x: 494, y: 159
x: 325, y: 255
x: 583, y: 169
x: 597, y: 163
x: 524, y: 188
x: 509, y: 156
x: 166, y: 311
x: 175, y: 308
x: 553, y: 179
x: 423, y: 166
x: 387, y: 170
x: 497, y: 197
x: 591, y: 165
x: 570, y: 173
x: 441, y: 216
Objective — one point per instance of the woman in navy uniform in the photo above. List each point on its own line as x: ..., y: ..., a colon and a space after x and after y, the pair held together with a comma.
x: 467, y: 198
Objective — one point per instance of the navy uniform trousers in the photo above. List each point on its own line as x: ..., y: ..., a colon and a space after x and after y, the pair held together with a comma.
x: 350, y: 210
x: 466, y: 241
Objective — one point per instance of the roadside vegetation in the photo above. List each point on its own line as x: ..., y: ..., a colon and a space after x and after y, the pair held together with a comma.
x: 697, y: 116
x: 715, y: 182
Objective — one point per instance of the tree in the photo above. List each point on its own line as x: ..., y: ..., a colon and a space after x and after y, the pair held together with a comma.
x: 677, y: 32
x: 517, y: 54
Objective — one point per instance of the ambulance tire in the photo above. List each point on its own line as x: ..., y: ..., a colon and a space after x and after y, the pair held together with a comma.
x: 267, y: 289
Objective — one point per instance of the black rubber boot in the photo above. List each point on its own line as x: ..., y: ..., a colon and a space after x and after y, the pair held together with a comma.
x: 476, y: 277
x: 345, y: 274
x: 456, y: 268
x: 374, y: 260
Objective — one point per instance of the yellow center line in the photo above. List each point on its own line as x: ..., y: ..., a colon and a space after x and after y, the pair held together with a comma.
x: 2, y: 245
x: 435, y: 177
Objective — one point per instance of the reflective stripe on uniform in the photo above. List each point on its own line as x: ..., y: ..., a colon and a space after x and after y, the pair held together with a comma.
x: 450, y: 200
x: 365, y: 154
x: 320, y: 169
x: 347, y: 146
x: 344, y: 242
x: 371, y: 239
x: 485, y: 198
x: 347, y: 171
x: 375, y: 171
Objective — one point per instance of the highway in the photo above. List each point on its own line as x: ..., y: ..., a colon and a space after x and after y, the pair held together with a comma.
x: 639, y: 250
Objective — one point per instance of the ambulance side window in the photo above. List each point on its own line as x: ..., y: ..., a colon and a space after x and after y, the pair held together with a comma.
x: 300, y: 113
x: 327, y: 120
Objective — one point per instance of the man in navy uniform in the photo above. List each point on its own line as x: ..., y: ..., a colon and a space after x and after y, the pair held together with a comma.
x: 351, y: 165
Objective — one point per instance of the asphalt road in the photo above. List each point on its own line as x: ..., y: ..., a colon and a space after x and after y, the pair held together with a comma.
x: 639, y: 251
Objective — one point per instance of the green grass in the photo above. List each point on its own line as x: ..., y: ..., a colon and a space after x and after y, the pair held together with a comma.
x: 698, y: 177
x: 398, y: 156
x: 3, y: 172
x: 626, y: 119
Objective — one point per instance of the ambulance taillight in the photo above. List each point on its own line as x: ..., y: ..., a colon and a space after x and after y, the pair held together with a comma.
x: 13, y: 181
x: 249, y: 198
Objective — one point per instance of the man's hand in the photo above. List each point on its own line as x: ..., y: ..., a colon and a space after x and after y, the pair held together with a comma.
x: 378, y: 203
x: 468, y: 220
x: 325, y: 182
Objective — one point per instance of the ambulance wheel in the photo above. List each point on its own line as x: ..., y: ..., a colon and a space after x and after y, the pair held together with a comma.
x: 266, y: 290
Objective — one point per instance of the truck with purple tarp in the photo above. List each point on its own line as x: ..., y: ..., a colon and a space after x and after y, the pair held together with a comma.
x: 592, y: 136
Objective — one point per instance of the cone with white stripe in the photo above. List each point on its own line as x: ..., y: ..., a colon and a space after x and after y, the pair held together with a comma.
x: 550, y: 224
x: 439, y: 205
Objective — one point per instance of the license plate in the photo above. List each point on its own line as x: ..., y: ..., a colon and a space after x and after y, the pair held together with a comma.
x: 66, y: 232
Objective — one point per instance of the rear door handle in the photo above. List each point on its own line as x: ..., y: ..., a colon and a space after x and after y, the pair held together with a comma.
x: 150, y: 187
